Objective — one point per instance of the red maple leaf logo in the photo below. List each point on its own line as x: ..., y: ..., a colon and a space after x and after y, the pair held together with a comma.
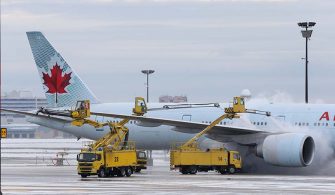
x: 56, y: 82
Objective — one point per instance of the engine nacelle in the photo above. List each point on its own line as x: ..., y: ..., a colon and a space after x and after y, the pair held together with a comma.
x: 288, y: 149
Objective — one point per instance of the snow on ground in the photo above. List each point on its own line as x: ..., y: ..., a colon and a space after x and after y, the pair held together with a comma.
x: 44, y: 151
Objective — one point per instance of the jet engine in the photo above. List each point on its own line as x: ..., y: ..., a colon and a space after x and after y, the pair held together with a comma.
x: 288, y: 150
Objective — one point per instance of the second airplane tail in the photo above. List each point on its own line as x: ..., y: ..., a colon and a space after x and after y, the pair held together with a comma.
x: 62, y: 86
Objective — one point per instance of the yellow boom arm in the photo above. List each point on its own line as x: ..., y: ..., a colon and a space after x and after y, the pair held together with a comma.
x: 230, y: 112
x: 118, y: 130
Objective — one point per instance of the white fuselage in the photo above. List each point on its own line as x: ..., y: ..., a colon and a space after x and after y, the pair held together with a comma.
x: 310, y: 118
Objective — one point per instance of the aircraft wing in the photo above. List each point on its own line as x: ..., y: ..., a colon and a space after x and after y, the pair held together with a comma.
x: 184, y: 126
x: 180, y: 125
x: 34, y: 115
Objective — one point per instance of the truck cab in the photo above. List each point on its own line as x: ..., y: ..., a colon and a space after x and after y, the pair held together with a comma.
x: 89, y: 162
x: 235, y: 161
x: 141, y: 161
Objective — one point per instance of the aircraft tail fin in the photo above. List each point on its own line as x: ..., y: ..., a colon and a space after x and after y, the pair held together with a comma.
x: 62, y: 86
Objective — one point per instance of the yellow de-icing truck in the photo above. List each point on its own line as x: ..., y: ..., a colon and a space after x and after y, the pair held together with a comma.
x: 142, y: 161
x: 219, y: 159
x: 106, y: 161
x: 110, y: 156
x: 190, y: 159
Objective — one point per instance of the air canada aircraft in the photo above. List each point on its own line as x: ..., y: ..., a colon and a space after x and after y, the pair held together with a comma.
x: 280, y: 139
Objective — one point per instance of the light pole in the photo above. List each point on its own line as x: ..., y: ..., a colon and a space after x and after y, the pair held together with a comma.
x: 307, y: 35
x: 147, y: 72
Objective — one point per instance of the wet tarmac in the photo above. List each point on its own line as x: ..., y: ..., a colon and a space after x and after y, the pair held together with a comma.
x: 38, y: 179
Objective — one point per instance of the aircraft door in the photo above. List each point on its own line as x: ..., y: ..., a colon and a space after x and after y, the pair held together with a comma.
x: 186, y: 117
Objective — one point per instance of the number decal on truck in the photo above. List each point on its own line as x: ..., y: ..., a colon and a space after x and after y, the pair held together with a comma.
x: 220, y: 158
x: 116, y: 159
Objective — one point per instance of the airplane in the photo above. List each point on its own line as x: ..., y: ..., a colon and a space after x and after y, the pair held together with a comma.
x: 285, y: 139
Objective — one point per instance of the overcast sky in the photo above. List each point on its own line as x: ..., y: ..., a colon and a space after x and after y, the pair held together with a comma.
x: 208, y: 50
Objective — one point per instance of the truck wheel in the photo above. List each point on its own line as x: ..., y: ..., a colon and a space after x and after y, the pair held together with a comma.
x: 222, y: 170
x: 101, y: 172
x: 128, y: 171
x: 193, y: 170
x: 183, y: 170
x: 121, y: 172
x: 114, y: 172
x: 83, y: 175
x: 231, y: 170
